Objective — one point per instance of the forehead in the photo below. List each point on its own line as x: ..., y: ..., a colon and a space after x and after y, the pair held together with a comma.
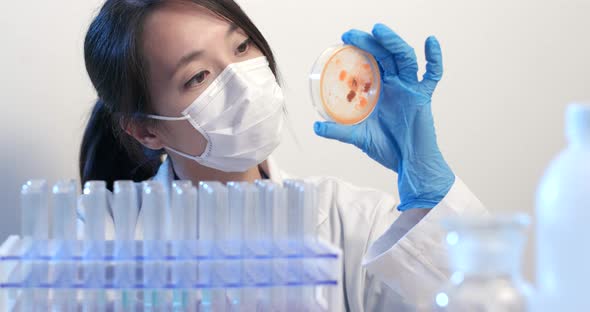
x: 176, y: 28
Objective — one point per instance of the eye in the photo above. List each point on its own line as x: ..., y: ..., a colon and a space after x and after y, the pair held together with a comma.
x: 243, y: 47
x: 197, y: 79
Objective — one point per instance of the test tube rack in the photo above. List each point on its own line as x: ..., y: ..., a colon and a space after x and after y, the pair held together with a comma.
x: 211, y: 247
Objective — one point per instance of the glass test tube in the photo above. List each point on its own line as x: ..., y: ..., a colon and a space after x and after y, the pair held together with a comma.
x: 205, y: 217
x: 153, y: 207
x: 35, y: 210
x: 183, y: 209
x: 125, y: 209
x: 213, y: 220
x: 310, y: 235
x: 241, y: 200
x: 263, y: 218
x: 301, y: 227
x: 64, y: 201
x: 210, y: 211
x: 301, y: 211
x: 264, y: 212
x: 310, y: 218
x: 34, y: 228
x: 275, y: 204
x: 221, y: 213
x: 279, y: 214
x: 95, y: 203
x: 250, y: 221
x: 95, y: 213
x: 154, y: 201
x: 294, y: 226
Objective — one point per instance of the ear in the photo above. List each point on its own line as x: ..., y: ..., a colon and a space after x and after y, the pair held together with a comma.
x: 143, y: 134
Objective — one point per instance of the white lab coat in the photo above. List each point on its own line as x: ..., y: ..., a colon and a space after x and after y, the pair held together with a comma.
x: 386, y: 267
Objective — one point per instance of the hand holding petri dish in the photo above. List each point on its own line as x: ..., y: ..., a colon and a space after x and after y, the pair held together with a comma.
x: 345, y: 83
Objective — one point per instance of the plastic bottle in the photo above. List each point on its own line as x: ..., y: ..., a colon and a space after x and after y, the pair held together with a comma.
x: 485, y: 257
x: 563, y: 213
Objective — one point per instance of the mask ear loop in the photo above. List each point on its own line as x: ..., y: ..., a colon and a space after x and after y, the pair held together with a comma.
x: 168, y: 118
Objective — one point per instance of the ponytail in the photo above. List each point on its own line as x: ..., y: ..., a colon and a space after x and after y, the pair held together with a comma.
x: 109, y: 154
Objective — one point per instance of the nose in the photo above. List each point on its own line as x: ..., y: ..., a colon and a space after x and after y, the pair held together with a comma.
x: 223, y: 63
x: 222, y: 60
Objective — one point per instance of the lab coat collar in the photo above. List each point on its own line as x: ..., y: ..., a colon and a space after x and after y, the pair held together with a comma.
x: 165, y: 173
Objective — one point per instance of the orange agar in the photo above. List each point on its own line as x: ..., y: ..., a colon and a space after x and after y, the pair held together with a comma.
x: 342, y: 75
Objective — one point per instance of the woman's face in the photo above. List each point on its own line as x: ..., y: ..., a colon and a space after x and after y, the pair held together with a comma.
x: 186, y: 47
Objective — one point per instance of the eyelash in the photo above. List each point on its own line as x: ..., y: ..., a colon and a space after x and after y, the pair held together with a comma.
x: 245, y: 45
x: 195, y: 78
x: 203, y: 74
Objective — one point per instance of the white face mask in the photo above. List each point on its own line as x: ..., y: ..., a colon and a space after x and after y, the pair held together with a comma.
x: 240, y: 115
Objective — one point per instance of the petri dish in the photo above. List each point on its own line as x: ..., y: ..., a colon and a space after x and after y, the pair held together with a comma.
x: 345, y: 84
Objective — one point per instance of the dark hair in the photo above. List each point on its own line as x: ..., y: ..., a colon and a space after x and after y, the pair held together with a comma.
x: 118, y: 72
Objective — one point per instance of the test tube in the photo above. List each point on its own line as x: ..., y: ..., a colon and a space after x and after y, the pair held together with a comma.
x: 310, y: 218
x: 64, y: 203
x: 241, y: 196
x: 268, y: 197
x: 209, y: 212
x: 222, y: 216
x: 309, y: 237
x: 183, y: 208
x: 279, y: 214
x: 184, y: 222
x: 240, y: 201
x: 213, y: 222
x: 154, y: 202
x: 275, y: 205
x: 64, y: 212
x: 34, y: 228
x: 301, y: 212
x: 243, y: 199
x: 95, y: 203
x: 184, y: 211
x: 250, y: 223
x: 206, y: 217
x: 125, y: 208
x: 294, y: 226
x: 35, y: 210
x: 264, y: 213
x: 153, y: 208
x: 301, y: 216
x: 95, y: 213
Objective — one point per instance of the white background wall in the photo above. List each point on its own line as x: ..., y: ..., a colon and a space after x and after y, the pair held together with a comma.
x: 510, y: 69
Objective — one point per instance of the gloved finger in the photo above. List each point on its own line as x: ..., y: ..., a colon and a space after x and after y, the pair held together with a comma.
x: 434, y: 65
x: 368, y: 43
x: 331, y: 130
x: 404, y: 55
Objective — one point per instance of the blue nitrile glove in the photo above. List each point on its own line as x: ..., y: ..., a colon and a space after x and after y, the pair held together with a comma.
x: 400, y: 133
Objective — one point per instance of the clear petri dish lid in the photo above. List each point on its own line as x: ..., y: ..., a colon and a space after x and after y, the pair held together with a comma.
x: 345, y: 84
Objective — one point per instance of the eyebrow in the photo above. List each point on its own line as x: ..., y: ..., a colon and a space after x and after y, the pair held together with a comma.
x: 191, y: 56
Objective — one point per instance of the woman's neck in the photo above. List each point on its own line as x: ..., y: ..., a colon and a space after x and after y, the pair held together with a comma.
x: 188, y: 169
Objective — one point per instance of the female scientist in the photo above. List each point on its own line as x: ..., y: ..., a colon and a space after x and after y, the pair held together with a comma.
x: 196, y: 80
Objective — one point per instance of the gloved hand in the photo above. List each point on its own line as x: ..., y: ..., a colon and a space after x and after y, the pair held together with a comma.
x: 400, y: 133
